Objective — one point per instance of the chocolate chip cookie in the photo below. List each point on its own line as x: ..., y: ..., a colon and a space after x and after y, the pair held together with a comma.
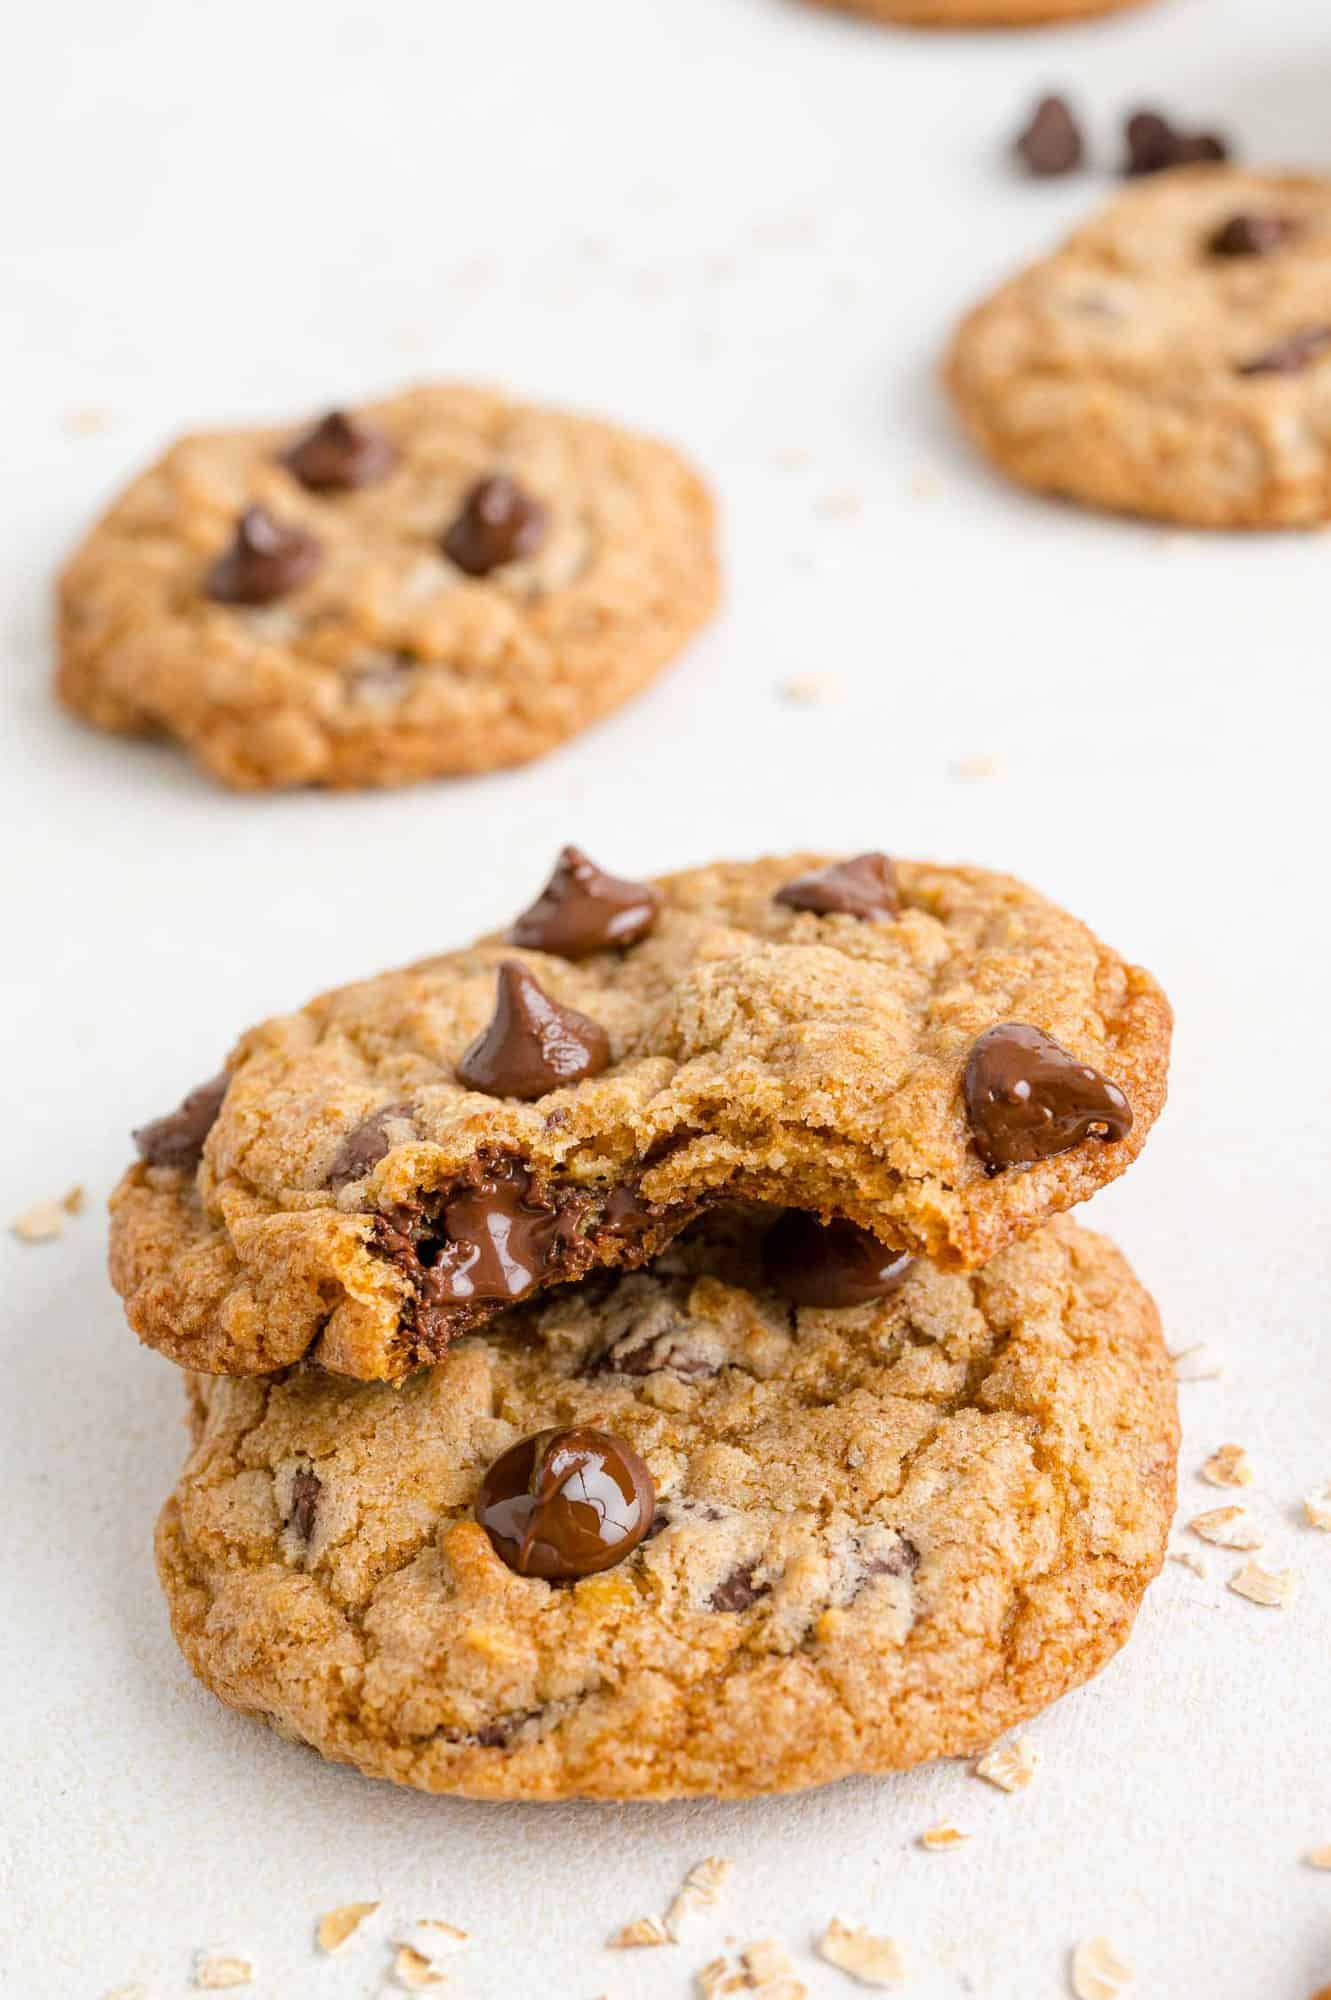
x: 977, y: 13
x: 937, y: 1055
x: 1173, y: 359
x: 444, y: 582
x: 670, y: 1532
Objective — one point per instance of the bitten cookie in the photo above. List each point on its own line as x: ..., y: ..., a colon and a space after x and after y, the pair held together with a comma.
x: 977, y: 13
x: 674, y: 1532
x: 1173, y: 359
x: 937, y: 1054
x: 445, y: 582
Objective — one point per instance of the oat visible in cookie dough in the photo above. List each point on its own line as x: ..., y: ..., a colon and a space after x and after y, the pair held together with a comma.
x: 1172, y: 359
x: 380, y: 1176
x: 447, y: 581
x: 881, y: 1534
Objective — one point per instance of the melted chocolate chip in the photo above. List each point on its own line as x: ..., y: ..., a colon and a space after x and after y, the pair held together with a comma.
x: 306, y: 1487
x: 738, y: 1591
x: 1250, y: 235
x: 1027, y: 1098
x: 365, y: 1145
x: 177, y: 1139
x: 499, y: 523
x: 340, y: 453
x: 267, y: 559
x: 1154, y: 144
x: 582, y: 909
x: 1290, y: 355
x: 1051, y: 143
x: 627, y: 1214
x: 566, y: 1503
x: 531, y: 1045
x: 865, y: 888
x: 829, y: 1264
x: 494, y: 1241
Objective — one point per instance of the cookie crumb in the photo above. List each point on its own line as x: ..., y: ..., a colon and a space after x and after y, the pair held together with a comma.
x: 938, y: 1839
x: 1199, y: 1363
x: 431, y: 1939
x: 700, y: 1890
x: 980, y: 764
x: 642, y: 1931
x: 87, y: 422
x: 1010, y: 1766
x: 134, y: 1991
x: 838, y: 506
x: 925, y: 483
x: 791, y: 457
x: 764, y: 1968
x: 1318, y: 1857
x: 1274, y: 1588
x: 812, y: 690
x: 1098, y: 1973
x: 1227, y: 1528
x: 1228, y: 1465
x: 1188, y: 1560
x: 44, y: 1221
x: 873, y: 1961
x: 336, y: 1926
x: 1317, y: 1508
x: 216, y: 1970
x: 412, y: 1969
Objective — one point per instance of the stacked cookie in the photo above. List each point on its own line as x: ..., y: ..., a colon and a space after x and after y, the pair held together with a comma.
x: 636, y: 1356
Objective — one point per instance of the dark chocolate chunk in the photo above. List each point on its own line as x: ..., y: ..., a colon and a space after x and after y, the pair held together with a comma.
x: 566, y: 1503
x: 306, y: 1486
x: 1051, y: 143
x: 865, y: 888
x: 582, y: 909
x: 1027, y: 1098
x: 738, y: 1591
x: 1290, y: 355
x: 812, y: 1263
x: 340, y: 453
x: 531, y: 1044
x: 499, y: 523
x: 177, y: 1139
x: 365, y: 1145
x: 1154, y: 144
x: 1250, y: 235
x: 267, y: 559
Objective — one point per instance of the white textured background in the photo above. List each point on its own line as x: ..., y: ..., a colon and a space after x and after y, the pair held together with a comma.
x: 748, y: 225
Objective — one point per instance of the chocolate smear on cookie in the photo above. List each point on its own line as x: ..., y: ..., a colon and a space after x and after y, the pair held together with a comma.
x: 1251, y: 235
x: 583, y: 910
x: 339, y: 454
x: 1154, y: 144
x: 1290, y: 355
x: 865, y: 887
x: 531, y: 1044
x: 499, y: 523
x: 1051, y: 142
x: 177, y: 1139
x: 833, y: 1264
x: 267, y: 559
x: 1028, y: 1098
x: 566, y: 1503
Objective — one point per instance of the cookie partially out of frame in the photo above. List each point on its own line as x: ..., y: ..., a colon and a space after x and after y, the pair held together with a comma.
x: 388, y: 1168
x: 1172, y: 359
x: 880, y: 1534
x: 977, y: 13
x: 445, y: 582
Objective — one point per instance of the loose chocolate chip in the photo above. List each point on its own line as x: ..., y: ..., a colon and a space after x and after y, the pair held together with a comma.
x: 566, y: 1503
x: 1290, y: 355
x: 829, y: 1264
x: 365, y: 1145
x: 582, y: 909
x: 531, y: 1045
x: 865, y: 888
x: 1153, y: 144
x: 177, y: 1140
x: 1051, y: 143
x: 1027, y: 1098
x: 306, y: 1487
x: 340, y: 453
x: 267, y: 559
x: 1250, y: 235
x: 738, y: 1591
x: 499, y: 523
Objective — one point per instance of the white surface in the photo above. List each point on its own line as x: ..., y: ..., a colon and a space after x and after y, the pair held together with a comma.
x: 747, y: 225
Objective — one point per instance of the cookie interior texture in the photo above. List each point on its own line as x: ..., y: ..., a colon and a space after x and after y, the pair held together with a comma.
x: 884, y: 1534
x: 389, y: 663
x: 756, y: 1052
x: 1120, y: 371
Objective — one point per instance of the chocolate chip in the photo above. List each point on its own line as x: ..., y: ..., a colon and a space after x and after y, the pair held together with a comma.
x: 267, y: 559
x: 1051, y: 143
x: 1027, y: 1098
x: 582, y: 909
x: 1290, y: 355
x: 1250, y: 235
x: 531, y: 1045
x: 627, y: 1214
x: 499, y: 523
x: 865, y: 888
x: 493, y: 1242
x: 1153, y: 144
x: 340, y: 453
x: 902, y: 1560
x: 177, y: 1139
x: 566, y: 1503
x: 306, y: 1487
x: 365, y: 1145
x: 738, y: 1591
x: 499, y: 1734
x: 812, y: 1263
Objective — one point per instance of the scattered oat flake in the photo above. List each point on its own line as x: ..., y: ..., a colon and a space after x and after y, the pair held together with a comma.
x: 1227, y: 1528
x: 336, y: 1926
x: 811, y: 690
x: 938, y: 1839
x: 834, y: 505
x: 1188, y: 1560
x: 1274, y: 1588
x: 642, y: 1931
x: 1098, y: 1973
x: 412, y: 1969
x: 873, y: 1961
x: 1317, y: 1508
x: 1318, y: 1857
x: 134, y: 1991
x: 1010, y: 1766
x: 925, y: 484
x: 1199, y: 1363
x: 40, y: 1223
x: 85, y: 423
x: 1228, y: 1465
x: 216, y: 1970
x: 979, y: 764
x: 701, y: 1888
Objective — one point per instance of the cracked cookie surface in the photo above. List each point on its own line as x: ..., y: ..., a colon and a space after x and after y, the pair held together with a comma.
x: 387, y: 659
x: 756, y: 1051
x: 884, y: 1533
x: 1172, y: 359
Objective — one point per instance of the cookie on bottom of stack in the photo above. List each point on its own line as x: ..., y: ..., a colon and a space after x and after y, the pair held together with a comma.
x: 977, y: 13
x: 757, y: 1542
